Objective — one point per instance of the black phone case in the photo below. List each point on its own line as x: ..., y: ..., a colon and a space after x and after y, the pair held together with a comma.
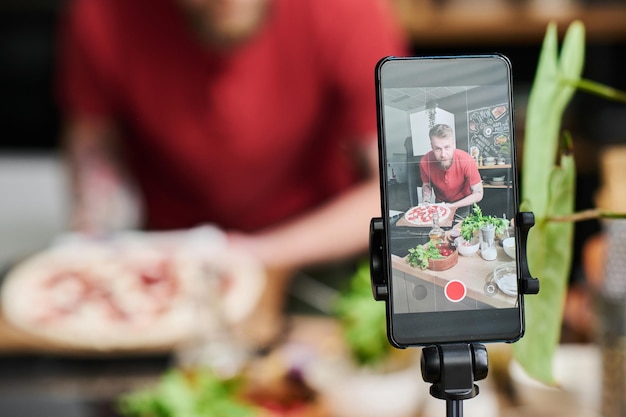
x: 450, y: 326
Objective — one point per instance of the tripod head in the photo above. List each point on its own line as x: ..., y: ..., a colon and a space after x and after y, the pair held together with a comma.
x: 464, y: 364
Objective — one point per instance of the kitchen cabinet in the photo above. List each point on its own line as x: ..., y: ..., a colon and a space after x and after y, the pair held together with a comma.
x: 491, y: 171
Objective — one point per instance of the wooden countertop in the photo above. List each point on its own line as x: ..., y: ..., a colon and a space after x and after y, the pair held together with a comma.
x: 472, y: 270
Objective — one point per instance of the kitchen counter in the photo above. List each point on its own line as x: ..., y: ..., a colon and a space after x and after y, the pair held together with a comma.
x: 473, y: 271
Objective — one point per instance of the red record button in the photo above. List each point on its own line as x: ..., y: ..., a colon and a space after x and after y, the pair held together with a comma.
x: 455, y: 291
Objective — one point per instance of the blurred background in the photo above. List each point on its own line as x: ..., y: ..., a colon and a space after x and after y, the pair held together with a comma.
x: 33, y: 190
x: 31, y: 177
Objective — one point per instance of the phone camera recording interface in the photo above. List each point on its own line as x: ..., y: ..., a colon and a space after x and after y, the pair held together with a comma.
x: 448, y: 175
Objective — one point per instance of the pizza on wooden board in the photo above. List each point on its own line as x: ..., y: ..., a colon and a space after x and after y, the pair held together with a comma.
x: 422, y: 215
x: 136, y: 294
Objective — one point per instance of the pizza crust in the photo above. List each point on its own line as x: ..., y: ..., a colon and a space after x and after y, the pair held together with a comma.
x: 138, y: 291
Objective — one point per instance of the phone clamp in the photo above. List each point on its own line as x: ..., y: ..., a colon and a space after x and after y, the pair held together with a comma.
x: 452, y: 370
x: 378, y: 266
x: 525, y: 220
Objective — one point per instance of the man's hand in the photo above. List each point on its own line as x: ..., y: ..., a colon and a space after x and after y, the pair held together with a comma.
x: 102, y: 198
x: 474, y: 197
x: 427, y: 193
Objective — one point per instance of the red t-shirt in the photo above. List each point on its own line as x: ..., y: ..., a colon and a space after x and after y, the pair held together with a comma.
x: 454, y: 183
x: 242, y: 139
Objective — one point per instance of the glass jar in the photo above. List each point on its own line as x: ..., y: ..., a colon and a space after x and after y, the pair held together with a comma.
x: 437, y: 234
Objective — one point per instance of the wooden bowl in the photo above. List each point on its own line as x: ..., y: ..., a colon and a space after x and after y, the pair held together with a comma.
x: 445, y: 263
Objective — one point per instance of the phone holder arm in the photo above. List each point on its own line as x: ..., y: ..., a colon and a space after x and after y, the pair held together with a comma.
x: 525, y: 220
x: 378, y: 265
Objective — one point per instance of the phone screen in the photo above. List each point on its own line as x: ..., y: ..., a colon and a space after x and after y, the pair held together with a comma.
x: 449, y: 188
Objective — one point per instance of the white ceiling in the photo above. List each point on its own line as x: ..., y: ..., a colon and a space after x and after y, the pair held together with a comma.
x: 415, y: 98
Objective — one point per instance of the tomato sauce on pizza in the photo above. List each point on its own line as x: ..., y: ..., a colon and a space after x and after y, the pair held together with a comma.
x: 423, y: 214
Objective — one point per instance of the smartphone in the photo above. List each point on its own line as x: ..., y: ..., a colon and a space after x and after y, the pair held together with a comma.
x: 449, y: 191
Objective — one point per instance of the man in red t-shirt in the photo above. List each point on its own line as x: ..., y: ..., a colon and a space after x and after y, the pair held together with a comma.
x: 257, y: 116
x: 451, y: 173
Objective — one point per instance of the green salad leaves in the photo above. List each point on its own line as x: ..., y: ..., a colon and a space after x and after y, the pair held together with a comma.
x: 178, y: 393
x: 418, y: 256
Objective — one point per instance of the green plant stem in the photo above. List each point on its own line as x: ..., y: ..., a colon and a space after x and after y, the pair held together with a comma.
x: 597, y: 88
x: 587, y: 215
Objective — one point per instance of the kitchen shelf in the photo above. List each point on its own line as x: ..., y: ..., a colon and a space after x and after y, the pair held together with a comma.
x: 491, y: 167
x: 491, y: 22
x: 485, y: 185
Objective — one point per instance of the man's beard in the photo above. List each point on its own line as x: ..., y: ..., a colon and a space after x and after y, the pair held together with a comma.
x: 445, y: 165
x: 227, y: 28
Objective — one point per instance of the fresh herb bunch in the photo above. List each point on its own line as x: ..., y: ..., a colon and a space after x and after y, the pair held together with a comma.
x: 197, y: 393
x: 475, y: 220
x: 419, y: 255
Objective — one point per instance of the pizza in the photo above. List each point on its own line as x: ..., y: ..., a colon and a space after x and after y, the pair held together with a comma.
x: 422, y: 215
x: 128, y: 294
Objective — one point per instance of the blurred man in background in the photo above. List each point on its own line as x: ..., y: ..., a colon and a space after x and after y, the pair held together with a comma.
x: 257, y: 116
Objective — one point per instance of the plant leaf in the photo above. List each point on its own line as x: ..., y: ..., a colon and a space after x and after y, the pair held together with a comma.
x: 548, y: 99
x: 550, y: 254
x: 548, y: 190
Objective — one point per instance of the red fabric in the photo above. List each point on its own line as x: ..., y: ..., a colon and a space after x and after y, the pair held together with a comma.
x: 243, y: 139
x: 454, y: 183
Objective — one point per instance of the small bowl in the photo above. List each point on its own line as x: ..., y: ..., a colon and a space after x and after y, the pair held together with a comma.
x: 505, y: 276
x: 498, y: 179
x: 508, y: 245
x: 452, y: 236
x: 466, y: 248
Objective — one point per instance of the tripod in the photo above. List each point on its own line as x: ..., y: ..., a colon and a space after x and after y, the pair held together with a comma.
x: 451, y: 368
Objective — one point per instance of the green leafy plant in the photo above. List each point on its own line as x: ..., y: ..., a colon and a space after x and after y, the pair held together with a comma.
x: 548, y: 190
x: 476, y: 219
x: 418, y: 256
x: 197, y: 393
x: 363, y: 321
